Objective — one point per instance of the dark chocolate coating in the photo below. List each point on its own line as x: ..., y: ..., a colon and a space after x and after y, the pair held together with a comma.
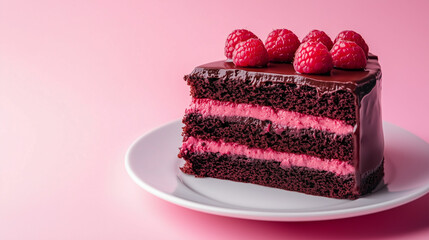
x: 354, y: 80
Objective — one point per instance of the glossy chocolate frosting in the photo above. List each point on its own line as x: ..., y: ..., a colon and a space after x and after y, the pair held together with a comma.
x: 358, y: 81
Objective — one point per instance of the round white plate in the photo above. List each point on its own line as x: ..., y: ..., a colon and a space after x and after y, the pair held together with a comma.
x: 152, y: 163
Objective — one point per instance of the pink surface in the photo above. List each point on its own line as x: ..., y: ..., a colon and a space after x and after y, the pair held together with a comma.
x: 287, y: 159
x: 80, y: 80
x: 208, y: 107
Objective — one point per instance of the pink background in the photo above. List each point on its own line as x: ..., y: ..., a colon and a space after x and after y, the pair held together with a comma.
x: 81, y: 80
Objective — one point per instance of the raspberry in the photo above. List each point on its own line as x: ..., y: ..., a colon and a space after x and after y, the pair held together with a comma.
x: 319, y: 36
x: 354, y: 37
x: 348, y: 55
x: 250, y: 53
x: 281, y: 45
x: 237, y: 36
x: 312, y: 57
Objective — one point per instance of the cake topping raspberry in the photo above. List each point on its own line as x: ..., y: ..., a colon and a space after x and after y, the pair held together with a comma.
x: 237, y: 36
x: 250, y: 53
x: 313, y: 58
x: 281, y: 45
x: 354, y: 37
x: 348, y: 55
x: 319, y: 36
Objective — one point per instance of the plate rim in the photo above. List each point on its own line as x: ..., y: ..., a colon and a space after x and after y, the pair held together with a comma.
x: 268, y: 215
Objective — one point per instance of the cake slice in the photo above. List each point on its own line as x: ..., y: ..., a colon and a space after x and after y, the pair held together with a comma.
x: 316, y: 134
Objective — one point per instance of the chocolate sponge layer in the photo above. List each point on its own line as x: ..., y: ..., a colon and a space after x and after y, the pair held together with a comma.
x: 255, y: 133
x: 340, y: 104
x: 269, y: 173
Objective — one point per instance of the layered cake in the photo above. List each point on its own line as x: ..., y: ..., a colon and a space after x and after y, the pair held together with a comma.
x: 318, y: 134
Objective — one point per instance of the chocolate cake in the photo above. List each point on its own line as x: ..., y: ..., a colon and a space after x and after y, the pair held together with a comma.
x: 315, y: 134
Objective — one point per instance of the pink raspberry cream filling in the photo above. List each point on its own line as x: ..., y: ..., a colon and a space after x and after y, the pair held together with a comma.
x: 208, y: 107
x: 286, y: 159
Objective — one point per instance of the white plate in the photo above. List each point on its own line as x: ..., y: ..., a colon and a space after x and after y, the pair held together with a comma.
x: 152, y: 163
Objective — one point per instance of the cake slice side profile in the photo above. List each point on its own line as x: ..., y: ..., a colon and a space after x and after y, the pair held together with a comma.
x: 315, y: 134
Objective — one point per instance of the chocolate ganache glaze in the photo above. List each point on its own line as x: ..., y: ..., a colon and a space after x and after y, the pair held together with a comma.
x: 365, y: 85
x: 354, y: 80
